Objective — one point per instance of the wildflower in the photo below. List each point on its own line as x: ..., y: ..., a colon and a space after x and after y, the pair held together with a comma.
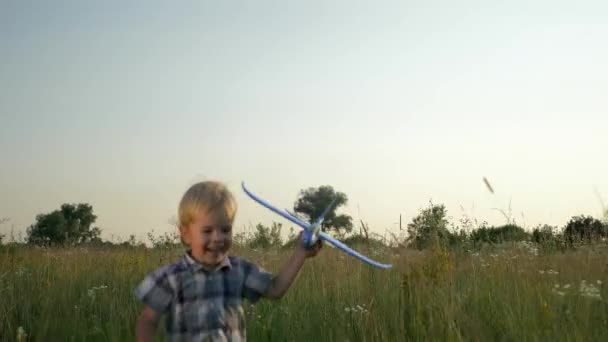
x: 562, y: 292
x: 356, y: 309
x: 589, y: 290
x: 550, y: 271
x: 21, y: 335
x: 91, y: 292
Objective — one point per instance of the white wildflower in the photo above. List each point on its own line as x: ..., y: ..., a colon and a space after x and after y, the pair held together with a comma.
x: 21, y: 334
x: 356, y: 309
x: 589, y: 290
x: 91, y: 292
x: 550, y: 271
x: 559, y: 293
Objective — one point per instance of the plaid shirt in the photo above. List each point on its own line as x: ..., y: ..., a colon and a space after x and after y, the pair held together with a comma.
x: 202, y: 304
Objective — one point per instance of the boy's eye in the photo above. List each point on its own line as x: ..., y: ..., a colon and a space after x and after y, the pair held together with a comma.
x: 226, y: 229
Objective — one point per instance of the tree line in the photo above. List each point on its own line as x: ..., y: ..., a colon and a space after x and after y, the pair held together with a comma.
x: 74, y: 224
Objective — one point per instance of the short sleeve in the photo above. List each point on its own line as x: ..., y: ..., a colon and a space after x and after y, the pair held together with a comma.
x: 155, y: 291
x: 257, y: 281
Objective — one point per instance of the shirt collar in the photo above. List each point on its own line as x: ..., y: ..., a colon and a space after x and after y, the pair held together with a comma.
x: 197, y: 266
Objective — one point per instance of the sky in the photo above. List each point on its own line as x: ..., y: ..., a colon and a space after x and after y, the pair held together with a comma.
x: 124, y: 105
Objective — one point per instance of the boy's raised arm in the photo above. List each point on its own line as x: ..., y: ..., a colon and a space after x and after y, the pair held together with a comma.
x: 282, y: 282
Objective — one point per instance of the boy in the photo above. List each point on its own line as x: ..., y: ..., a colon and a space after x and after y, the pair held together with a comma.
x: 202, y: 293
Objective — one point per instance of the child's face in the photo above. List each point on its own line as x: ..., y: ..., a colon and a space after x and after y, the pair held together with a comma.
x: 209, y: 236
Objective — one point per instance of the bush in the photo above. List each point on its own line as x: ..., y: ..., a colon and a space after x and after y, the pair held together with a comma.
x: 496, y: 235
x: 431, y: 223
x: 266, y: 237
x: 584, y: 229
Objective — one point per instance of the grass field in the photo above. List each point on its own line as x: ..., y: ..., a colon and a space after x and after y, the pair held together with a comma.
x: 508, y: 294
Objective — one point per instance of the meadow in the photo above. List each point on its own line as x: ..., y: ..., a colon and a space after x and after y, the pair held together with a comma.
x: 512, y: 292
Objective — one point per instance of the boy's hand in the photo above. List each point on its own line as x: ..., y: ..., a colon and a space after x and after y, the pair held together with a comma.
x: 312, y: 251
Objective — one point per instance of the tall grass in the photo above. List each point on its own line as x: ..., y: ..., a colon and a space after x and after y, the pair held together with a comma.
x: 509, y: 294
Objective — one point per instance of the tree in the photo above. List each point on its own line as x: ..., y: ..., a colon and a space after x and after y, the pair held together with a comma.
x: 312, y: 202
x: 543, y: 234
x: 72, y: 224
x: 430, y: 223
x: 585, y: 229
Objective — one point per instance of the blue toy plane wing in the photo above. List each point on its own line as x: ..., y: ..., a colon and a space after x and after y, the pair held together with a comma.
x: 286, y: 215
x: 322, y: 235
x: 352, y: 252
x: 302, y: 222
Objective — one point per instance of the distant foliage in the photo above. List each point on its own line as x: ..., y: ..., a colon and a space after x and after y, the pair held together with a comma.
x: 548, y: 238
x: 544, y: 234
x: 584, y: 229
x: 70, y: 225
x: 431, y: 223
x: 2, y: 221
x: 312, y: 202
x: 266, y: 237
x: 495, y: 235
x: 166, y: 240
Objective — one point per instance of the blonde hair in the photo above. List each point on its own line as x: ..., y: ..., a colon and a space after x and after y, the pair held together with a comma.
x: 210, y: 196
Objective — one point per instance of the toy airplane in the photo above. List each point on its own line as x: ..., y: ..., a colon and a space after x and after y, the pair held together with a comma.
x: 312, y: 232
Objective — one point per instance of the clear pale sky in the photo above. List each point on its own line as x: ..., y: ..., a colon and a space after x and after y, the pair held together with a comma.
x: 123, y: 105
